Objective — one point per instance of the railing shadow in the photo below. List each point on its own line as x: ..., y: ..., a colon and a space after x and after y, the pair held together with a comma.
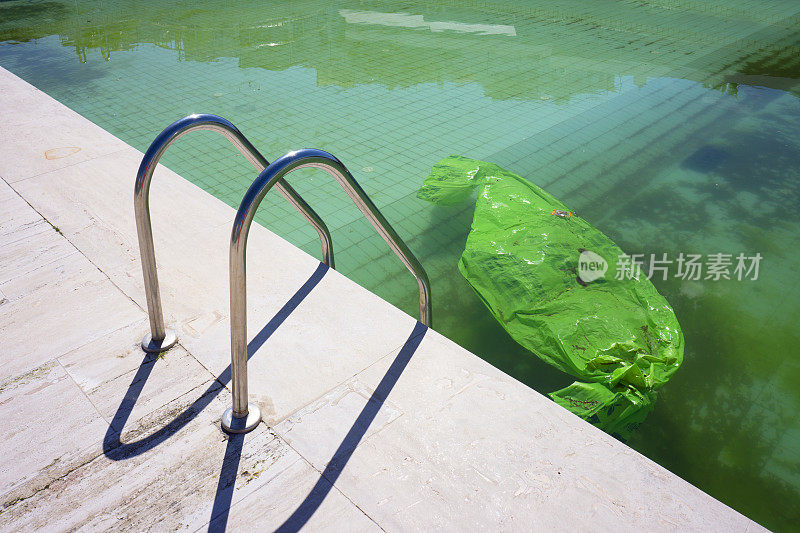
x: 323, y: 486
x: 116, y: 450
x: 223, y: 497
x: 328, y: 478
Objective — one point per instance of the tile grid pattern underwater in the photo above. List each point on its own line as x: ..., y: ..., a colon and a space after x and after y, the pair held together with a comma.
x: 671, y: 125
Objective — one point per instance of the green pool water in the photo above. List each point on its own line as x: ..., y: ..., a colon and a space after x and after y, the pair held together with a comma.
x: 671, y: 125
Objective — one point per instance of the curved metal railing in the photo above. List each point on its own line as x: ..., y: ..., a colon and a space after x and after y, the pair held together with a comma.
x: 161, y: 338
x: 243, y: 417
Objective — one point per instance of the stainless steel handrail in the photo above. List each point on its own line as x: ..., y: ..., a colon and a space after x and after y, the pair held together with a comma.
x: 243, y: 417
x: 161, y: 338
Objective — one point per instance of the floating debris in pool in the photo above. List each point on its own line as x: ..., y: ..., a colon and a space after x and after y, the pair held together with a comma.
x: 551, y: 282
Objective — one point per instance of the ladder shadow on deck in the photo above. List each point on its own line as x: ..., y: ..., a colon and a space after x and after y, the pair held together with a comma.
x: 306, y: 509
x: 328, y: 477
x: 116, y: 450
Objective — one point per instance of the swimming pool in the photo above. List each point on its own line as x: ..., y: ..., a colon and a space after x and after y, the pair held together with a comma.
x: 672, y: 125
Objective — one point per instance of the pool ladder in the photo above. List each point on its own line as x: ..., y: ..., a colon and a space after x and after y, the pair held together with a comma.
x: 244, y: 416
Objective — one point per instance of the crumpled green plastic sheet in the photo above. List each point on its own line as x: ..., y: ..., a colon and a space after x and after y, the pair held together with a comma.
x: 619, y: 337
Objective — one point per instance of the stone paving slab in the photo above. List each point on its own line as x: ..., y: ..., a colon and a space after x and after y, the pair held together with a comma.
x: 15, y: 217
x: 33, y: 246
x: 445, y: 420
x: 54, y: 299
x: 45, y: 407
x: 40, y: 135
x: 175, y: 486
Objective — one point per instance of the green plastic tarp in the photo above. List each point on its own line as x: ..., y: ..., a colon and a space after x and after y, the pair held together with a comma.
x: 564, y: 291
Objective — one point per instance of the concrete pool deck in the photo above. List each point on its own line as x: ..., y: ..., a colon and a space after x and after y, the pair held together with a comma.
x: 371, y: 422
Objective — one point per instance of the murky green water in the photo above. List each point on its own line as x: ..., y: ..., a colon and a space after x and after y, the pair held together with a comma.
x: 672, y: 125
